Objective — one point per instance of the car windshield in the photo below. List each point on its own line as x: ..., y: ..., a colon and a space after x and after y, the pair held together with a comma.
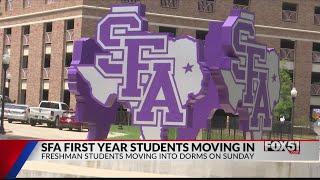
x: 15, y: 106
x: 7, y: 105
x: 18, y: 107
x: 49, y: 105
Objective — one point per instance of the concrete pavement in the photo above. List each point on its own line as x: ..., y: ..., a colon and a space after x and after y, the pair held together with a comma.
x: 49, y: 169
x: 17, y: 130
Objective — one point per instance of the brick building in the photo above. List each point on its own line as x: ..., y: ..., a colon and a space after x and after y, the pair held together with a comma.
x: 39, y: 36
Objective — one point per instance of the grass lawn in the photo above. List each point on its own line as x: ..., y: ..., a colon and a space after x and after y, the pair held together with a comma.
x: 133, y: 133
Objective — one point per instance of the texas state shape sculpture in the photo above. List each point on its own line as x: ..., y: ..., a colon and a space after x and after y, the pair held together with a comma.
x: 172, y: 82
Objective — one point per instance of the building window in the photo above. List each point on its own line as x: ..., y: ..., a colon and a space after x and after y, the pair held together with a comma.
x: 66, y: 97
x: 288, y: 44
x: 70, y: 24
x: 315, y: 78
x: 206, y: 6
x: 49, y: 1
x: 47, y: 59
x: 316, y: 47
x: 289, y: 12
x: 26, y: 30
x: 7, y: 49
x: 168, y: 30
x: 7, y: 37
x: 241, y: 4
x: 23, y: 92
x: 9, y: 5
x: 317, y: 15
x: 130, y: 1
x: 48, y: 35
x: 24, y: 63
x: 201, y: 34
x: 23, y: 96
x: 174, y: 4
x: 287, y: 51
x: 26, y: 3
x: 68, y: 60
x: 49, y: 27
x: 315, y: 84
x: 45, y: 94
x: 7, y: 31
x: 316, y: 53
x: 45, y: 90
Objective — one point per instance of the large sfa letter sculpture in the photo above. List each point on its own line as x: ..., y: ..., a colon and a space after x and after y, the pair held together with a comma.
x: 172, y: 82
x: 243, y: 80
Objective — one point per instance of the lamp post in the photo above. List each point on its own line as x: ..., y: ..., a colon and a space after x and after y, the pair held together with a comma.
x: 282, y: 119
x: 5, y: 66
x: 294, y: 94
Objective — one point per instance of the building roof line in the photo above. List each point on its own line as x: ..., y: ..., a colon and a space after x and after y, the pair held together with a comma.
x: 53, y: 11
x: 215, y: 20
x: 152, y: 14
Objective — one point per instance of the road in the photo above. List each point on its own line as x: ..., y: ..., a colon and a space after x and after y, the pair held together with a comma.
x: 16, y: 130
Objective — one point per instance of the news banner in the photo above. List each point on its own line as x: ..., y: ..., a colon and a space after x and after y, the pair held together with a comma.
x: 176, y: 150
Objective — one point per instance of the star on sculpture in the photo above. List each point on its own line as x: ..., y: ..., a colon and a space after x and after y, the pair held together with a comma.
x: 187, y: 68
x: 274, y: 78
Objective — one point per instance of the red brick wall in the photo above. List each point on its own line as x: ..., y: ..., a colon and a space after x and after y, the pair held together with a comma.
x: 16, y: 40
x: 35, y: 64
x: 57, y: 61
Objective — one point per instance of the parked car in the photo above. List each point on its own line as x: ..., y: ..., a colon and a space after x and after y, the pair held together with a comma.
x: 6, y: 105
x: 16, y: 112
x: 68, y: 120
x: 48, y: 112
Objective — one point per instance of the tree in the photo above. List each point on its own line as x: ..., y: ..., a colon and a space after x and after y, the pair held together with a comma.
x: 284, y: 107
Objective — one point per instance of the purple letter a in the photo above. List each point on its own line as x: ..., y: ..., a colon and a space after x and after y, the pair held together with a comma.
x: 161, y: 107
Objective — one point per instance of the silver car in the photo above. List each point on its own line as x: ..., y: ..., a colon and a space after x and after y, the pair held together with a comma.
x: 17, y: 112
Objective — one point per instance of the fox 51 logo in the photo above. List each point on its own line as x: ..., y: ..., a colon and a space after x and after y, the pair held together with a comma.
x: 293, y: 147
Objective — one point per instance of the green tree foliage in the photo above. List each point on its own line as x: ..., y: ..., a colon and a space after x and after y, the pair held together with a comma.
x: 283, y: 108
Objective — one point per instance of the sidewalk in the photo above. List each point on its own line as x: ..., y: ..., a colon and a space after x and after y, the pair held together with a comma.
x: 48, y: 169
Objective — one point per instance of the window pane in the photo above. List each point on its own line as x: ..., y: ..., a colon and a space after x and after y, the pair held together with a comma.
x: 49, y: 27
x: 289, y: 6
x: 26, y: 30
x: 315, y: 78
x: 316, y: 47
x: 24, y: 64
x: 47, y: 59
x: 317, y: 10
x: 68, y: 59
x: 45, y: 95
x: 23, y: 96
x: 168, y: 30
x: 285, y: 43
x: 70, y: 24
x: 8, y: 31
x: 241, y: 2
x: 201, y: 34
x: 66, y: 97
